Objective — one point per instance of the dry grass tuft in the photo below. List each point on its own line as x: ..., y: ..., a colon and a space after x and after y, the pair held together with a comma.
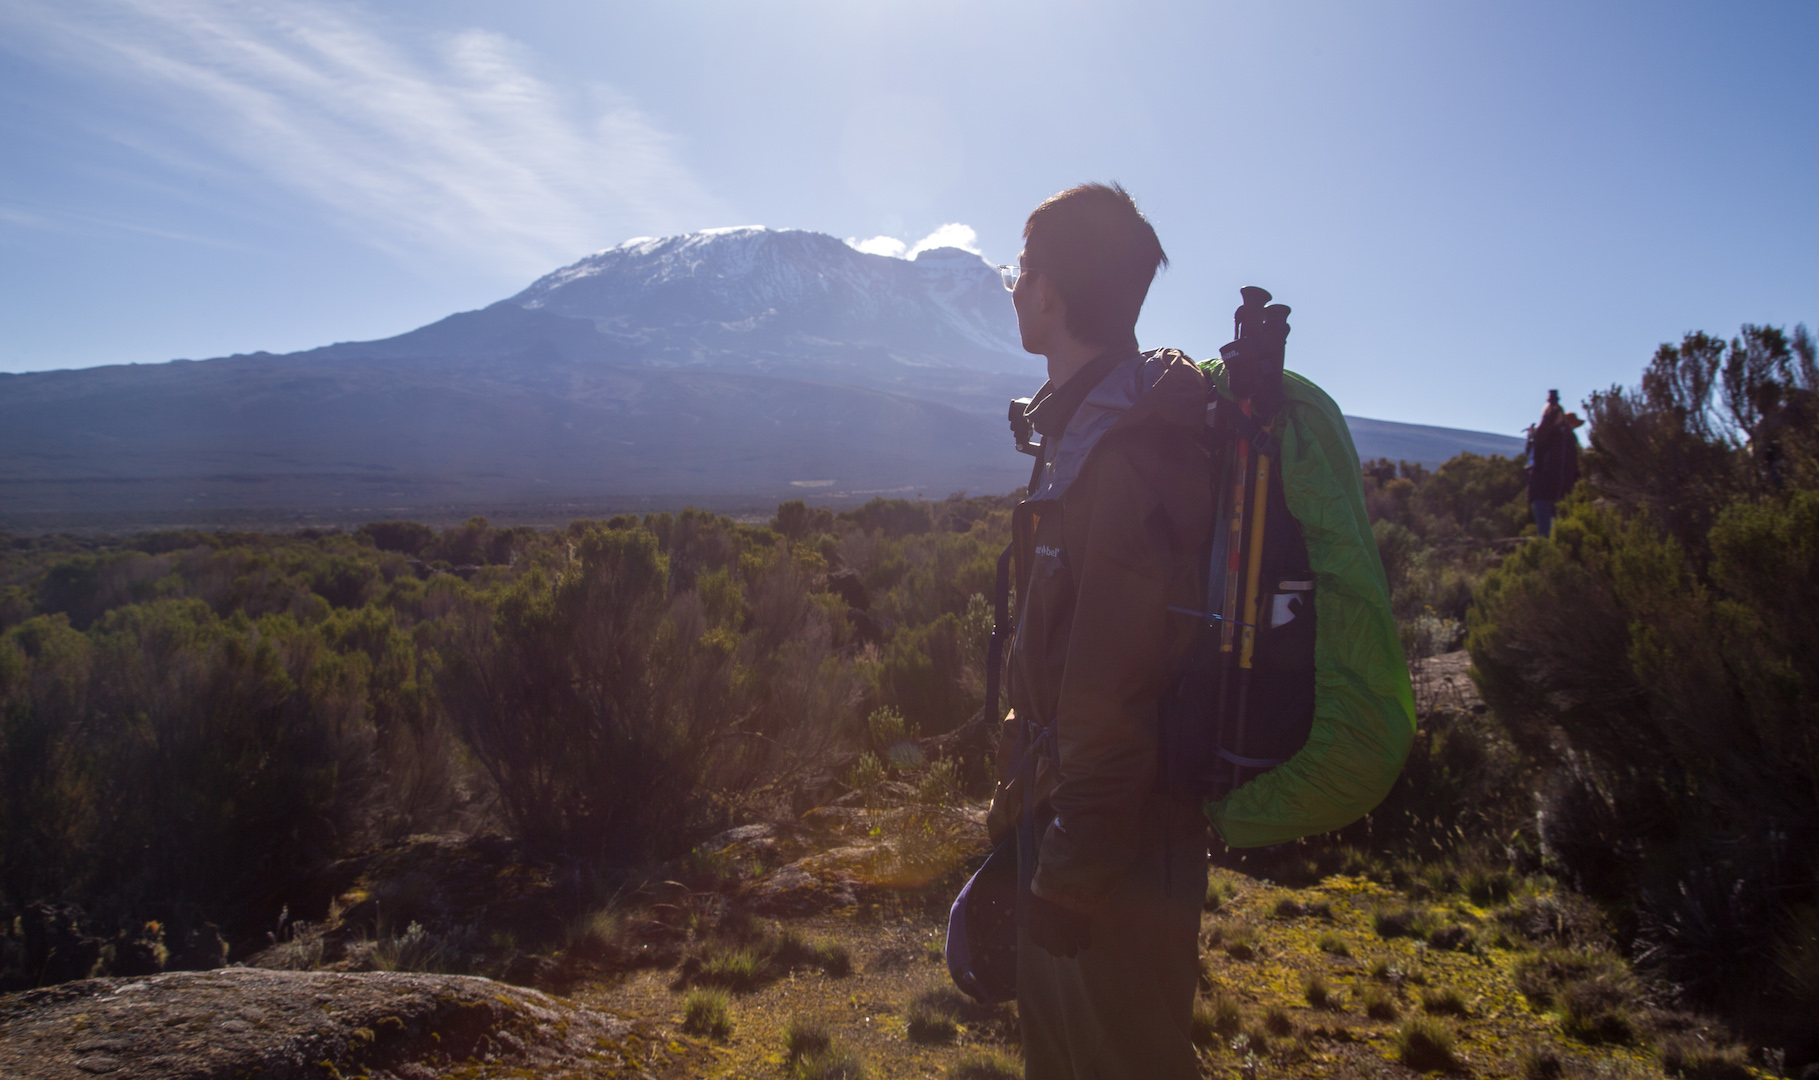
x: 984, y: 1067
x: 1695, y: 1059
x: 1216, y: 1017
x: 707, y: 1012
x: 1379, y: 1004
x: 1427, y: 1045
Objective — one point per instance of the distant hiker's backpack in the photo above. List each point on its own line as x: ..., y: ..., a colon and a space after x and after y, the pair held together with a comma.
x: 1294, y: 713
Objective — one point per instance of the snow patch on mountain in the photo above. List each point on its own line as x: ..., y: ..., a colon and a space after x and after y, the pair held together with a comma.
x: 938, y: 304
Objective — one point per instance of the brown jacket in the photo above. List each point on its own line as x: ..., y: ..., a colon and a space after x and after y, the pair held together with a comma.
x: 1108, y: 542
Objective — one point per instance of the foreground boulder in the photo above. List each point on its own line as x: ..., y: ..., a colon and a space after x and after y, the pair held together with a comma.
x: 276, y: 1025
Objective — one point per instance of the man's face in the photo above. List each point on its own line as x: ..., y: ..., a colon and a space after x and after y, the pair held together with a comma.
x: 1038, y: 308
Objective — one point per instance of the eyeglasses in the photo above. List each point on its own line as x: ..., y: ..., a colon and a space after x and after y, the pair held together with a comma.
x: 1010, y: 274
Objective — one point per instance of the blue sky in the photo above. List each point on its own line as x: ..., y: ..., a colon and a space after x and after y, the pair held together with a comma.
x: 1466, y: 203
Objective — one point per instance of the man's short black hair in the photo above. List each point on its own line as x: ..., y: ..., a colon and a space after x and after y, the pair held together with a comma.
x: 1100, y: 253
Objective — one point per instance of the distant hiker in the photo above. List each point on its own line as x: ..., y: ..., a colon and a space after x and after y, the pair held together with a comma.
x: 1118, y: 513
x: 1553, y: 461
x: 1786, y: 416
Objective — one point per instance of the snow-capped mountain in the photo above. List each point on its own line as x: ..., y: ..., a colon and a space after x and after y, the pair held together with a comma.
x: 756, y: 301
x: 725, y: 368
x: 758, y: 290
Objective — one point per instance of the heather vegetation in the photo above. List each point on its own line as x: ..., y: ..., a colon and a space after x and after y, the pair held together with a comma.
x: 503, y: 751
x: 192, y: 721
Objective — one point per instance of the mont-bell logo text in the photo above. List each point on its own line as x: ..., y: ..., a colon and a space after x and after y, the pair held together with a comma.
x: 1047, y: 552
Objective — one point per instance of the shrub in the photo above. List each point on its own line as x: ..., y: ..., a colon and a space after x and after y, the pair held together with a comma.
x: 1542, y: 1063
x: 608, y: 717
x: 1240, y: 940
x: 1598, y: 1010
x: 1333, y: 944
x: 1695, y: 1059
x: 176, y: 755
x: 707, y: 1012
x: 1655, y: 654
x: 1541, y: 976
x: 1216, y: 1017
x: 836, y: 1063
x: 1453, y: 939
x: 594, y: 935
x: 803, y: 1037
x: 791, y: 950
x: 922, y: 676
x: 733, y: 968
x: 1318, y: 994
x: 1427, y: 1045
x: 885, y: 729
x: 418, y: 950
x: 1486, y: 887
x: 747, y: 966
x: 1276, y: 1021
x: 1405, y: 921
x: 1219, y: 891
x: 939, y: 784
x: 867, y: 772
x: 984, y: 1067
x: 928, y: 1020
x: 1379, y: 1004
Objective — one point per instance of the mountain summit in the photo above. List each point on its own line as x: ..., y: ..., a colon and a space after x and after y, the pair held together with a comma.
x: 751, y: 292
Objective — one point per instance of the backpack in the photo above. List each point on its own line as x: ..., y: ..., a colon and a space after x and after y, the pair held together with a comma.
x: 1294, y: 712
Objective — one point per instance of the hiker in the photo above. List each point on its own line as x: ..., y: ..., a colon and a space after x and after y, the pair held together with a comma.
x: 1553, y: 461
x: 1118, y: 514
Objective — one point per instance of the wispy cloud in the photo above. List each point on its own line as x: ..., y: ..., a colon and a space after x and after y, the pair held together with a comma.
x: 879, y: 245
x: 456, y: 151
x: 953, y: 234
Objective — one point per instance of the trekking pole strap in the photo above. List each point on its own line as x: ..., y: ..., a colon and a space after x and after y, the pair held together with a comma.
x: 1001, y: 629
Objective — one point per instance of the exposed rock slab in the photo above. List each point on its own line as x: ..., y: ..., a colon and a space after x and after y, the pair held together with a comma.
x: 276, y: 1025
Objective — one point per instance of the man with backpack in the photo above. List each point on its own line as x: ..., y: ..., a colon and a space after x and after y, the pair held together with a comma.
x: 1110, y: 544
x: 1553, y: 461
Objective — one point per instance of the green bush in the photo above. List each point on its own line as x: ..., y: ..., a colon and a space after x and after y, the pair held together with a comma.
x: 923, y: 676
x: 173, y: 761
x: 1658, y: 655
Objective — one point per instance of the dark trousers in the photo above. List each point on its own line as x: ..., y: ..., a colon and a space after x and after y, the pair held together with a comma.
x: 1121, y: 1008
x: 1544, y: 515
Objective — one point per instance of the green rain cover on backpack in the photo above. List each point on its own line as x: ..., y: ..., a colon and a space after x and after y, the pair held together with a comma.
x: 1364, y: 705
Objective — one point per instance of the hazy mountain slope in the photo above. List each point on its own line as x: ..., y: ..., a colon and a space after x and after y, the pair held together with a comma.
x: 284, y: 431
x: 1424, y: 443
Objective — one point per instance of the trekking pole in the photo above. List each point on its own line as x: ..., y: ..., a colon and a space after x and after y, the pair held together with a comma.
x: 1254, y: 364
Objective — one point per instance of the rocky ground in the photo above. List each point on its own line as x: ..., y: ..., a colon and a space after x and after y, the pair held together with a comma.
x: 278, y: 1025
